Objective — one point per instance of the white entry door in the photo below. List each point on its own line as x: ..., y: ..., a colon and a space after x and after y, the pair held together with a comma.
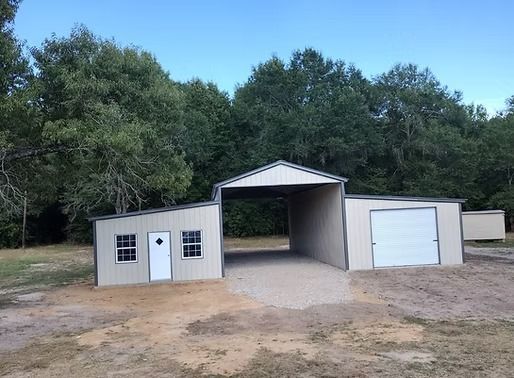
x: 159, y: 252
x: 402, y: 237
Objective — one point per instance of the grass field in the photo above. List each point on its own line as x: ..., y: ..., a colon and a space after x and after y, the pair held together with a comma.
x: 508, y: 243
x: 278, y: 241
x: 40, y: 268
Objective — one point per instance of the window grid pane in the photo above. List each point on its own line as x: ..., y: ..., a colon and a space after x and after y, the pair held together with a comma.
x: 126, y: 248
x: 191, y: 244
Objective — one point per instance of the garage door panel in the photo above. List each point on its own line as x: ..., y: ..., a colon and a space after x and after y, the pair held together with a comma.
x: 407, y: 231
x: 404, y: 237
x: 401, y: 255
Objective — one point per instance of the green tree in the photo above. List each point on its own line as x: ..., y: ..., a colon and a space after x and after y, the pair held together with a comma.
x: 497, y: 158
x: 311, y: 111
x: 20, y: 140
x: 119, y: 118
x: 208, y: 137
x: 430, y: 148
x: 17, y: 115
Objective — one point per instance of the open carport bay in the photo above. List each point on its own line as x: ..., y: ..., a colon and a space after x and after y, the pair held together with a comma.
x: 285, y: 279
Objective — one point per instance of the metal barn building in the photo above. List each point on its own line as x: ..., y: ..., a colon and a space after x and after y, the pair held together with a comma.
x: 347, y: 231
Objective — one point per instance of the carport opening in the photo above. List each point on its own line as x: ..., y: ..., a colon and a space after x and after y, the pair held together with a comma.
x: 284, y: 222
x: 255, y: 229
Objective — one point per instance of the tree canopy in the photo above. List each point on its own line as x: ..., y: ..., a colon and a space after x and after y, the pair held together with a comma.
x: 89, y: 127
x: 119, y: 119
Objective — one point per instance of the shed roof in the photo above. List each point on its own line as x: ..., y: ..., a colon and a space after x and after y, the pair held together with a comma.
x: 278, y: 174
x: 478, y: 212
x: 404, y: 198
x: 152, y: 211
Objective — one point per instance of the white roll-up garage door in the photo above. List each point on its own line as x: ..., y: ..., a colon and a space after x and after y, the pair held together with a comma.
x: 402, y: 237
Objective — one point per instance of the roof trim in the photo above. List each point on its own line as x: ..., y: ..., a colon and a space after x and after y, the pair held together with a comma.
x: 272, y: 165
x: 483, y: 212
x: 405, y: 198
x: 153, y: 211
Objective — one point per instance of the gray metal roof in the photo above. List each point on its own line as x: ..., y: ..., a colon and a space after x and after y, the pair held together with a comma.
x: 272, y: 165
x: 152, y: 211
x: 483, y: 212
x: 405, y: 198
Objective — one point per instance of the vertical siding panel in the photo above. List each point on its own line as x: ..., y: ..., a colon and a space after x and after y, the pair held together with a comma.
x: 359, y: 229
x: 281, y: 175
x: 316, y: 224
x: 288, y: 175
x: 173, y: 221
x: 483, y: 225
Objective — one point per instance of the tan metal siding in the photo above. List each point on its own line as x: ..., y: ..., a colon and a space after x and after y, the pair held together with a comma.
x: 359, y: 229
x: 280, y: 175
x: 483, y: 225
x: 205, y: 218
x: 316, y: 224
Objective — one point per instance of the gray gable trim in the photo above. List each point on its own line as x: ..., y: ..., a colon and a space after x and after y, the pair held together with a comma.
x: 483, y: 212
x: 153, y: 211
x: 406, y: 198
x: 272, y: 165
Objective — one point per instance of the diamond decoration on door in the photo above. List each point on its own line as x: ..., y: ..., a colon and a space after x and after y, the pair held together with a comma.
x: 159, y: 241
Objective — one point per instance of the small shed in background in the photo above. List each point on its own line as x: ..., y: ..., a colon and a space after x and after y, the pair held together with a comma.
x: 484, y: 225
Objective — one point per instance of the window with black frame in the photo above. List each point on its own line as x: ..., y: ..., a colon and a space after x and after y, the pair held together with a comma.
x: 126, y: 248
x: 192, y: 244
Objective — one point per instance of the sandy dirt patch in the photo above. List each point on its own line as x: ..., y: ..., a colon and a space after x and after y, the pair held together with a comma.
x: 481, y: 288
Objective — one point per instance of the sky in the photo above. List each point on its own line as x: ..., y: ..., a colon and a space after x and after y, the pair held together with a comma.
x: 468, y: 45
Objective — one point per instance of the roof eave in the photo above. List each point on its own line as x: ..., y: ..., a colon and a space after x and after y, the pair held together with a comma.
x: 405, y: 198
x: 153, y: 211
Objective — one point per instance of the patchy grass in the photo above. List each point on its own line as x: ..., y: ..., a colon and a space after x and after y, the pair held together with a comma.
x: 41, y: 354
x: 266, y: 363
x: 37, y: 268
x: 256, y: 242
x: 457, y: 348
x: 416, y: 320
x: 492, y: 244
x: 508, y: 243
x: 469, y: 347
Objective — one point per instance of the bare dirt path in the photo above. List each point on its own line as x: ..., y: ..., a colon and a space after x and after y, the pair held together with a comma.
x: 438, y: 321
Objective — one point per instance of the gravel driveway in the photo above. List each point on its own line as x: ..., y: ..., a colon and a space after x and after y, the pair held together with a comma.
x: 284, y: 279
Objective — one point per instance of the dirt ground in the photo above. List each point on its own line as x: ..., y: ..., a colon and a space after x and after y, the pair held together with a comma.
x: 437, y: 321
